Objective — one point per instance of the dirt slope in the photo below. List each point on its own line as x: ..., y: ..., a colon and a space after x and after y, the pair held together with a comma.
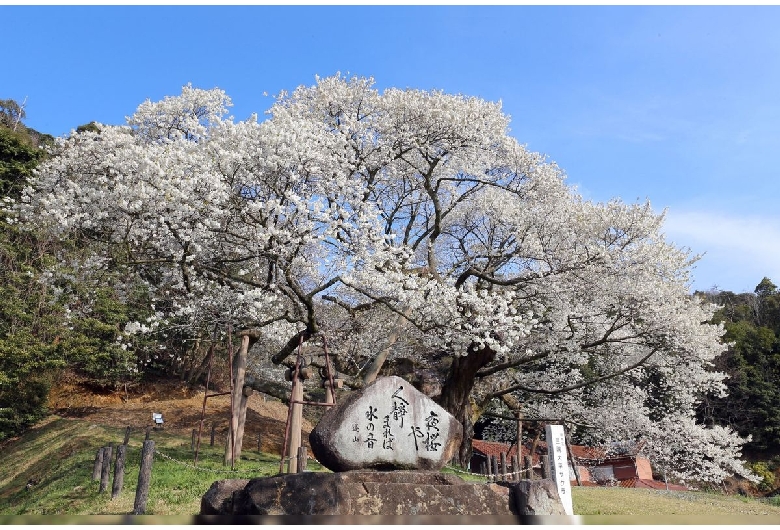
x: 180, y: 406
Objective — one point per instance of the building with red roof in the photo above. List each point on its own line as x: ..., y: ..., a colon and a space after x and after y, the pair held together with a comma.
x: 617, y: 465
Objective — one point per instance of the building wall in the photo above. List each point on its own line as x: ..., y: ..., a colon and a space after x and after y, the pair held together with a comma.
x: 643, y: 469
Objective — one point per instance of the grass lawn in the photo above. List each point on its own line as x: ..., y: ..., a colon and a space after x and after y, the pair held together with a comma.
x: 46, y: 477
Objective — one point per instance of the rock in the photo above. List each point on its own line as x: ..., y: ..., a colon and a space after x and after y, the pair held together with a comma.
x: 386, y: 425
x: 358, y: 493
x: 537, y: 497
x: 219, y: 498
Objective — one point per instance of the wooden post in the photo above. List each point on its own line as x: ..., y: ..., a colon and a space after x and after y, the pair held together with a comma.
x: 194, y: 435
x: 148, y: 432
x: 503, y: 466
x: 119, y: 470
x: 238, y: 403
x: 483, y: 469
x: 105, y: 471
x: 496, y: 469
x: 213, y: 430
x: 515, y: 469
x: 519, y: 417
x: 127, y: 436
x: 328, y: 392
x: 489, y: 464
x: 302, y: 459
x: 529, y: 469
x: 294, y: 442
x: 571, y: 459
x: 144, y: 476
x: 98, y: 466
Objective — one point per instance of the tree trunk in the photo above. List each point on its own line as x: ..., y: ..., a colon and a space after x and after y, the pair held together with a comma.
x: 197, y: 369
x: 455, y: 393
x: 372, y: 370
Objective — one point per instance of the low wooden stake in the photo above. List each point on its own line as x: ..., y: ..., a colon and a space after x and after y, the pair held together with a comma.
x: 302, y: 459
x: 105, y: 471
x: 144, y: 476
x: 119, y: 471
x: 98, y: 465
x: 515, y: 469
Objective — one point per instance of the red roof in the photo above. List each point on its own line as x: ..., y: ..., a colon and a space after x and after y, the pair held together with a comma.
x: 490, y: 448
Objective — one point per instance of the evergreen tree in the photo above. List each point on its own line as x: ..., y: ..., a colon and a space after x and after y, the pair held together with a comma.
x: 752, y: 362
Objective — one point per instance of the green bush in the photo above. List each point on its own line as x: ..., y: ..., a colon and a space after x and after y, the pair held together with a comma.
x: 767, y: 477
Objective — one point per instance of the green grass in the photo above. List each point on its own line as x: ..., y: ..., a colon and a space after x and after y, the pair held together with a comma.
x: 56, y: 459
x: 645, y: 506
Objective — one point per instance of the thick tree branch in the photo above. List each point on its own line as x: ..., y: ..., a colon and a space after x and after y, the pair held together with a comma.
x: 524, y: 388
x: 511, y: 364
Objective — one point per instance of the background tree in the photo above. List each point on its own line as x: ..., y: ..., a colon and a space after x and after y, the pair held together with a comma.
x: 48, y: 322
x: 752, y: 362
x: 413, y: 211
x: 29, y: 329
x: 11, y: 114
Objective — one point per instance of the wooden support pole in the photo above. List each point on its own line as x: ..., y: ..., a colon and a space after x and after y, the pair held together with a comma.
x: 238, y: 402
x: 503, y: 466
x: 573, y: 462
x: 213, y: 430
x: 496, y: 470
x: 489, y: 464
x: 127, y: 436
x: 119, y: 470
x: 194, y: 436
x: 144, y: 477
x: 519, y: 416
x: 98, y: 465
x: 105, y: 471
x: 328, y: 393
x: 294, y: 441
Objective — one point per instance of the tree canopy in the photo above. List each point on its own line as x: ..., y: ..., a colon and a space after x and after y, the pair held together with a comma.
x: 401, y: 223
x: 752, y: 363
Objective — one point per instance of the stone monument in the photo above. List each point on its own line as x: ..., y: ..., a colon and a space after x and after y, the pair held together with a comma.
x: 388, y: 426
x: 386, y: 445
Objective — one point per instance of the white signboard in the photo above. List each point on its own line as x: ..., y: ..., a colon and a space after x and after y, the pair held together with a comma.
x: 559, y: 466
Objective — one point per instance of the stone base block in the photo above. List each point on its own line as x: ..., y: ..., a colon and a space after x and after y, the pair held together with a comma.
x: 393, y: 493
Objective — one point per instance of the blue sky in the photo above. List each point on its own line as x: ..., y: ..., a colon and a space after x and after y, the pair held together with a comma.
x: 676, y: 105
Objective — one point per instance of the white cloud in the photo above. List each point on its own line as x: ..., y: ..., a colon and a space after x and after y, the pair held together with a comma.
x: 738, y: 250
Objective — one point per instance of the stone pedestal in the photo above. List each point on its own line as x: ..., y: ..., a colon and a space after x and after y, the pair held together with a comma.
x: 357, y: 493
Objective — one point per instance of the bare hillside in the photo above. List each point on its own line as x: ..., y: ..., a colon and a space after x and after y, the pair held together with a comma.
x: 180, y: 405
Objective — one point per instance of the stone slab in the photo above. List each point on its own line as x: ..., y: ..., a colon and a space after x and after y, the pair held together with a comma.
x: 360, y: 493
x: 387, y: 425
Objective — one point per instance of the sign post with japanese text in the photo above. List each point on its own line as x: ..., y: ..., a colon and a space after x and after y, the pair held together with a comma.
x: 559, y: 465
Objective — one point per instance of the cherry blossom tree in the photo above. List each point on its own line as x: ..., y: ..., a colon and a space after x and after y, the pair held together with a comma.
x: 411, y: 213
